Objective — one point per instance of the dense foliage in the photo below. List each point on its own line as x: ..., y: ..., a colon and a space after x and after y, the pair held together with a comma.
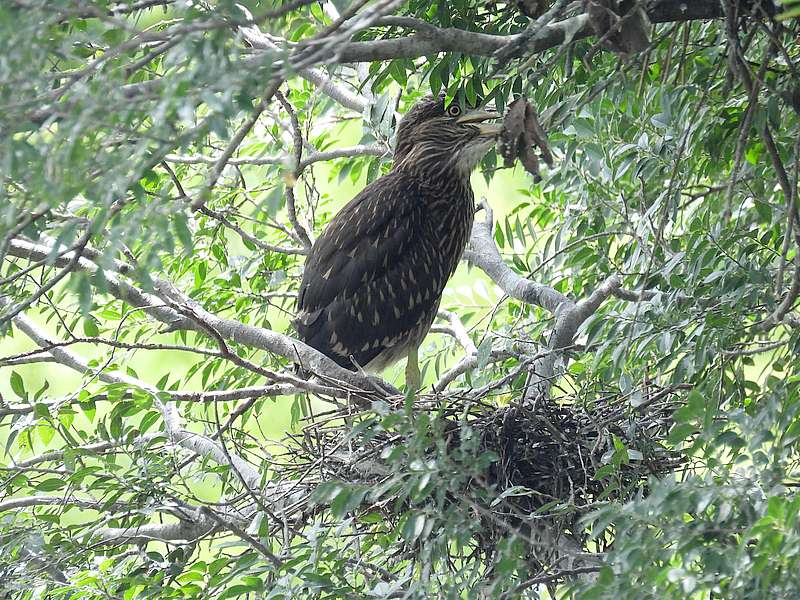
x: 610, y: 411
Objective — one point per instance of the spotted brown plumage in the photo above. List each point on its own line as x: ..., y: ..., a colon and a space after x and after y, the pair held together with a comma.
x: 374, y: 278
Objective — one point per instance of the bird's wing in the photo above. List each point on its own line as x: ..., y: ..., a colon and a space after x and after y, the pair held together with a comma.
x: 362, y: 239
x: 359, y: 279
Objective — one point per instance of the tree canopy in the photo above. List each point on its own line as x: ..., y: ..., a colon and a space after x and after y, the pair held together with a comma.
x: 611, y: 399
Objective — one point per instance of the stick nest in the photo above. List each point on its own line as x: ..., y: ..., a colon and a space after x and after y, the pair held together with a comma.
x: 573, y: 456
x: 557, y: 458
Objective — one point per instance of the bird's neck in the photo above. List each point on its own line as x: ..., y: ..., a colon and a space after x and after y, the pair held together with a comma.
x: 441, y: 185
x: 442, y: 162
x: 440, y: 170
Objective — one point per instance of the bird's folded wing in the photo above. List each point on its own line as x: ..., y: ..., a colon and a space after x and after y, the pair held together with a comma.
x: 363, y: 290
x: 363, y: 241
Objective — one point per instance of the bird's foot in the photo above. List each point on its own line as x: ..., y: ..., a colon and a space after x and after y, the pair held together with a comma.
x: 377, y: 383
x: 382, y: 386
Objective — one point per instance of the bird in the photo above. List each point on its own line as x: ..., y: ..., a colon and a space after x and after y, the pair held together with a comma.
x: 374, y: 278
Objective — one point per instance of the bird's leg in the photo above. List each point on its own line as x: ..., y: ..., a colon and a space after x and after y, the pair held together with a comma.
x: 412, y: 369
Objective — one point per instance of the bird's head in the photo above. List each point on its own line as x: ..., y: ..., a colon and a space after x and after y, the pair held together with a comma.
x: 435, y: 137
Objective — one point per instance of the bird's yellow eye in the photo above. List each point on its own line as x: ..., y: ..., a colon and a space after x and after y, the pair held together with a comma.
x: 454, y: 110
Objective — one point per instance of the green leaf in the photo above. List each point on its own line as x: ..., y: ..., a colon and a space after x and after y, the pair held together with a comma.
x: 84, y: 289
x: 484, y: 352
x: 347, y: 500
x: 694, y: 408
x: 789, y: 13
x: 40, y: 392
x: 90, y: 327
x: 680, y: 432
x: 149, y: 420
x: 413, y: 527
x: 18, y: 386
x: 181, y: 226
x: 46, y: 433
x: 51, y: 485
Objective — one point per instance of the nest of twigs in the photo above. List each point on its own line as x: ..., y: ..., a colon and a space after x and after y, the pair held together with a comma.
x: 560, y: 451
x: 567, y: 460
x: 558, y: 459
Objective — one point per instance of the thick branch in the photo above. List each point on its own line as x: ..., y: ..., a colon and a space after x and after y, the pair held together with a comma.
x: 430, y: 41
x: 321, y: 156
x: 483, y: 253
x: 569, y: 320
x: 183, y: 531
x: 228, y: 329
x: 569, y: 315
x: 433, y: 41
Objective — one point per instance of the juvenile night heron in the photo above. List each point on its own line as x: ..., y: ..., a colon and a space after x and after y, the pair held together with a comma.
x: 375, y: 276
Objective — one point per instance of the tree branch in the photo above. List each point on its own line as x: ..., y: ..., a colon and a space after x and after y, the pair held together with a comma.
x: 215, y: 171
x: 543, y: 371
x: 97, y: 448
x: 230, y: 330
x: 459, y: 332
x: 297, y: 157
x: 192, y: 441
x: 483, y: 253
x: 430, y: 42
x: 67, y: 268
x: 183, y: 531
x: 319, y: 156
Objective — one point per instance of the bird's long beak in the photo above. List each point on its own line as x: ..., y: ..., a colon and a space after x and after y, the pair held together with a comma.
x: 479, y: 117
